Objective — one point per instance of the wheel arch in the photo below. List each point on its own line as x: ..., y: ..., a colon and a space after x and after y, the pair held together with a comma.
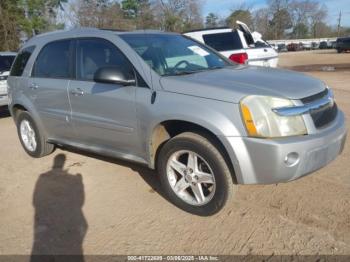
x: 167, y: 129
x: 25, y: 104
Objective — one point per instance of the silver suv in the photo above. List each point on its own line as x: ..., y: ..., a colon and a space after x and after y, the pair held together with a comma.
x: 175, y: 105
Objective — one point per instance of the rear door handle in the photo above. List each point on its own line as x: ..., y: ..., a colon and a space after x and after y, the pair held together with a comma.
x: 77, y: 92
x: 34, y: 86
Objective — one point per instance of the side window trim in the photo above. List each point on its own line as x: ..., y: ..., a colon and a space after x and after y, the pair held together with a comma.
x: 73, y: 59
x: 71, y: 76
x: 139, y: 79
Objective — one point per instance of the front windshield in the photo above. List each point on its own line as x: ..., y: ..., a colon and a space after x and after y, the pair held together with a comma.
x: 173, y: 54
x: 6, y: 62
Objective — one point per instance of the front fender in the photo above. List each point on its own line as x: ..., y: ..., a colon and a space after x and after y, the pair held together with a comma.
x: 220, y: 118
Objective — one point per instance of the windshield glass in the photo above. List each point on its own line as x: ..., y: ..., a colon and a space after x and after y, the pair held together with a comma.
x: 173, y: 54
x: 6, y: 62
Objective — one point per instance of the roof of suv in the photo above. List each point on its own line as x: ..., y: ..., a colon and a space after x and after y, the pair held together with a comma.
x: 96, y: 30
x: 55, y: 35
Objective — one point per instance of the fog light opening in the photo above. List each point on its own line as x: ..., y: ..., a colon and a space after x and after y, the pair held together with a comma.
x: 292, y: 159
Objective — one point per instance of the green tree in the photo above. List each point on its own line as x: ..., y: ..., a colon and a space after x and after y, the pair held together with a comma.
x: 140, y: 12
x: 211, y: 20
x: 178, y: 15
x: 11, y: 18
x: 102, y: 14
x: 242, y: 15
x: 280, y: 22
x: 300, y: 30
x: 41, y: 15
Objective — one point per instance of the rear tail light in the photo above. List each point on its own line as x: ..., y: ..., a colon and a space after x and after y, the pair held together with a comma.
x: 239, y: 58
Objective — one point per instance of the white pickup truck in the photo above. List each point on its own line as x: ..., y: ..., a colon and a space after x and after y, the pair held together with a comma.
x: 239, y: 45
x: 6, y: 59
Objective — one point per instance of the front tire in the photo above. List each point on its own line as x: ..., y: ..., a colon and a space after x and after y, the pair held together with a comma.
x: 194, y: 175
x: 32, y: 140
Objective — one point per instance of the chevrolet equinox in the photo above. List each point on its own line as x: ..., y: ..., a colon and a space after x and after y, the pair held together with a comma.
x: 171, y: 103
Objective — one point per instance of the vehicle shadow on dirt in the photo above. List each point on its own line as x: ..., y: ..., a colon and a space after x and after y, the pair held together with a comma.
x: 148, y: 175
x: 59, y: 222
x: 4, y: 112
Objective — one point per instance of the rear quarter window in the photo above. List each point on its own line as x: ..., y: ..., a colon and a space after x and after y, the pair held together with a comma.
x: 223, y: 41
x: 21, y: 61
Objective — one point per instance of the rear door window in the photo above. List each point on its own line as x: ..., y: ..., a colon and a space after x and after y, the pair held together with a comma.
x: 223, y: 41
x: 21, y: 61
x: 54, y: 61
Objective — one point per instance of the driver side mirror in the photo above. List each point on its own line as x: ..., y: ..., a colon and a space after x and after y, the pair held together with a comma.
x: 113, y: 75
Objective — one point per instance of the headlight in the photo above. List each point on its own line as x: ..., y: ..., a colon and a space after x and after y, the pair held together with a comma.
x: 261, y: 121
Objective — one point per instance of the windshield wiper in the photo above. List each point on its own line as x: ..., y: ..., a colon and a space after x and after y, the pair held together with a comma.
x: 189, y: 72
x: 186, y: 72
x: 179, y: 73
x: 216, y: 67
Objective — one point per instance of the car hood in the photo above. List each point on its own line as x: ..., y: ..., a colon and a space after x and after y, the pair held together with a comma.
x: 231, y: 84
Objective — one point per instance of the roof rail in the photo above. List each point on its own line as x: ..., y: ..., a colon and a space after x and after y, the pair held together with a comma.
x: 114, y: 30
x: 206, y: 29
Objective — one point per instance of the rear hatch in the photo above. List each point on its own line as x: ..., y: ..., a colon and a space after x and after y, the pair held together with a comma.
x: 259, y: 52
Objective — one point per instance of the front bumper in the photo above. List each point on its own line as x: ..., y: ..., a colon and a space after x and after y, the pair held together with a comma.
x: 264, y: 161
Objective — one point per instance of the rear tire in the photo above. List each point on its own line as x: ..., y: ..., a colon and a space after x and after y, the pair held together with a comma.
x: 203, y: 189
x: 32, y: 140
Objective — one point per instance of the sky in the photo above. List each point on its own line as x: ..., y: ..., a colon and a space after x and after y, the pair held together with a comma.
x: 223, y: 8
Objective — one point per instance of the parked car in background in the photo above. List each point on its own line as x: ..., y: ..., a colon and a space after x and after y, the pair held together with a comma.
x: 343, y: 44
x: 333, y: 44
x: 315, y: 45
x: 323, y: 45
x: 274, y: 46
x: 175, y: 105
x: 239, y: 45
x: 6, y: 60
x: 292, y: 47
x: 306, y: 45
x: 282, y: 48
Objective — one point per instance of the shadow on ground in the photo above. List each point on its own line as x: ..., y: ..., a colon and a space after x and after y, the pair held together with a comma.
x: 59, y: 222
x: 4, y: 112
x: 148, y: 175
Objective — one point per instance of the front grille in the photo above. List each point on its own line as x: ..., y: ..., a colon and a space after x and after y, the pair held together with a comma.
x: 323, y: 117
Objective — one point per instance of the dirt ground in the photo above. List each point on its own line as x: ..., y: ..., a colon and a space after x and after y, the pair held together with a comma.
x: 104, y: 206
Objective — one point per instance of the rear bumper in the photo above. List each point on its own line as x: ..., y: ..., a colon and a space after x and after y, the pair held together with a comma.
x: 270, y: 62
x: 270, y: 161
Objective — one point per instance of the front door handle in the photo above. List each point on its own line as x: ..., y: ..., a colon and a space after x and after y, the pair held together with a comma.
x: 34, y: 86
x: 77, y: 92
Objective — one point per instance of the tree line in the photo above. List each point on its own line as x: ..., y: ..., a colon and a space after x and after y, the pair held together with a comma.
x: 21, y: 19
